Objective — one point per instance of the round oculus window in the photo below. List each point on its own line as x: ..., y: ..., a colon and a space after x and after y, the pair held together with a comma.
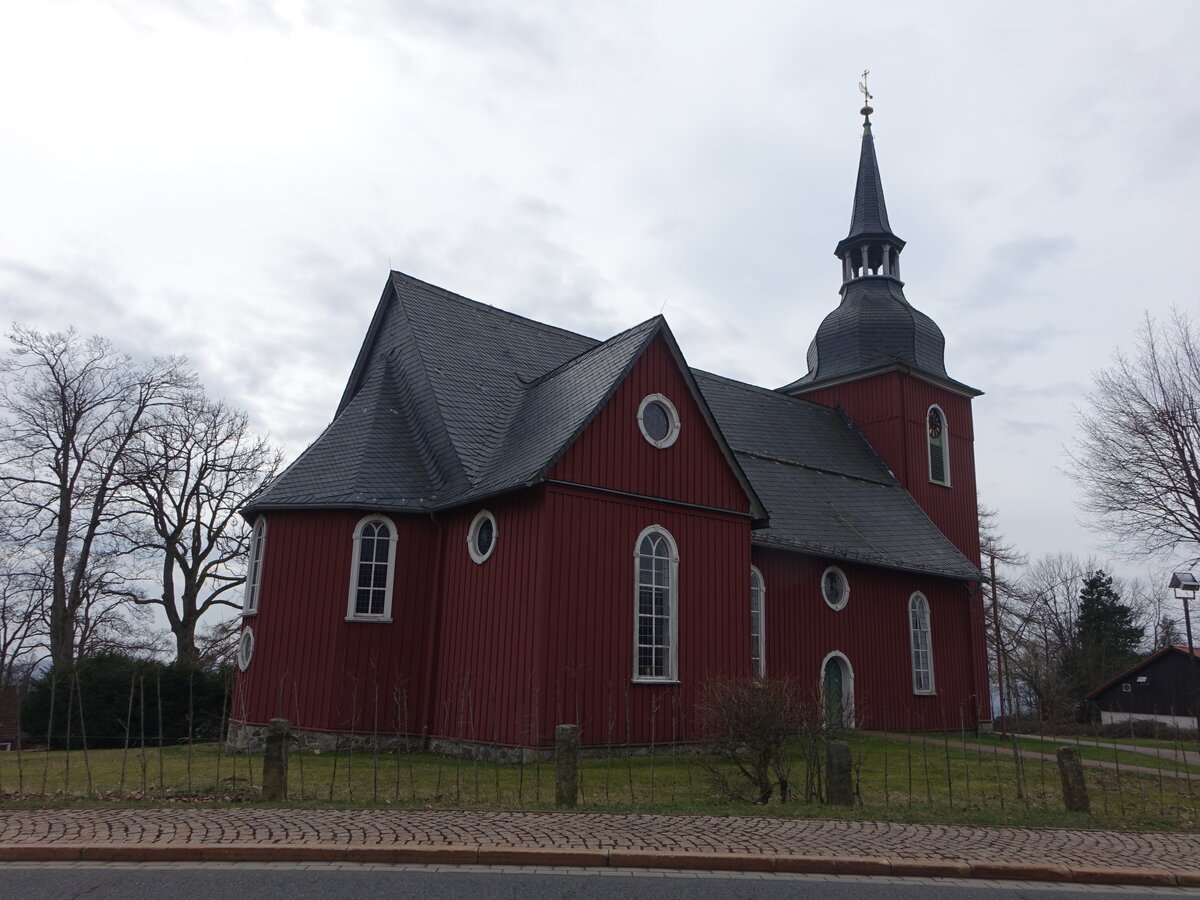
x: 245, y: 648
x: 481, y: 538
x: 834, y: 587
x: 658, y: 421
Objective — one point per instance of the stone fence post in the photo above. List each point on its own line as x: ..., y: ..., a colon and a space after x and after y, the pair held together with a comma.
x: 275, y: 760
x: 839, y: 773
x: 1074, y: 788
x: 566, y: 765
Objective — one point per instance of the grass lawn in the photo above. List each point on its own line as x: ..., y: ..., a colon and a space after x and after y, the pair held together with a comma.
x: 898, y: 780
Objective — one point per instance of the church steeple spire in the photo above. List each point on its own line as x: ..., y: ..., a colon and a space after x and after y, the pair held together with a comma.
x: 871, y: 248
x: 874, y: 327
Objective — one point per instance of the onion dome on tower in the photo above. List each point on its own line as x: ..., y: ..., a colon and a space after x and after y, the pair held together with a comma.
x: 874, y: 328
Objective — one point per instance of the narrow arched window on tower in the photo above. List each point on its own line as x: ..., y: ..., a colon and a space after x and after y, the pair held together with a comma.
x: 939, y: 458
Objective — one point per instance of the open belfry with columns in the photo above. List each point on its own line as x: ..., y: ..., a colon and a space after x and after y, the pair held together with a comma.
x: 508, y: 526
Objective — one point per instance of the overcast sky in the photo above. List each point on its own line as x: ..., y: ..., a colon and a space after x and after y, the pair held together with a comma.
x: 233, y: 180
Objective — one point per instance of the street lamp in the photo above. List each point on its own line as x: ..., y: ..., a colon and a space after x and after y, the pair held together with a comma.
x: 1185, y: 586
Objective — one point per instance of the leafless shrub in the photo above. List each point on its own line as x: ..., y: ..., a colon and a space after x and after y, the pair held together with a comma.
x: 749, y: 722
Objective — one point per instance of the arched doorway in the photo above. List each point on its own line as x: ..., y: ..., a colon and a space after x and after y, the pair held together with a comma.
x: 837, y: 690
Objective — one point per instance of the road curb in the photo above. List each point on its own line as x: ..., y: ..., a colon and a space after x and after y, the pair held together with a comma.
x: 467, y: 854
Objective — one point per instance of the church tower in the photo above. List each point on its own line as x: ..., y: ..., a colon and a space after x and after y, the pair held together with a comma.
x: 882, y: 361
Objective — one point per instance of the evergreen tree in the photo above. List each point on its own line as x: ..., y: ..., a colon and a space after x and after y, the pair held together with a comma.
x: 1105, y: 638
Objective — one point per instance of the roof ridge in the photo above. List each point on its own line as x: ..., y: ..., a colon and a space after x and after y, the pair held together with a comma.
x: 447, y: 294
x: 578, y: 358
x: 759, y: 389
x: 799, y: 465
x: 423, y: 373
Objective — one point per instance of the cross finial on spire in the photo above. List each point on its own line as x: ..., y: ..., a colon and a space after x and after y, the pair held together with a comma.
x: 867, y: 95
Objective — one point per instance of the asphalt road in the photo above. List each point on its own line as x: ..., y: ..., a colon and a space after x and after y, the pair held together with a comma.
x: 142, y: 881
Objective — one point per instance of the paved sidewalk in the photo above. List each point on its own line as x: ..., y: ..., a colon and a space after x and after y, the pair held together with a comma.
x: 1190, y: 757
x: 601, y: 839
x: 1033, y: 755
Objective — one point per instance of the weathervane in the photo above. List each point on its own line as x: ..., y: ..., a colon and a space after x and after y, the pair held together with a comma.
x: 867, y: 95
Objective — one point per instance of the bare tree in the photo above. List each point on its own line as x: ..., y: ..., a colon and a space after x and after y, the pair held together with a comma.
x: 1138, y: 456
x: 191, y: 472
x: 218, y: 645
x: 1001, y: 560
x: 23, y: 594
x: 69, y: 409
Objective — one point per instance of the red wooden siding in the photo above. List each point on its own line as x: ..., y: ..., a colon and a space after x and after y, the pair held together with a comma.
x: 612, y: 453
x: 590, y: 608
x: 484, y: 673
x: 890, y: 410
x: 872, y: 631
x: 312, y: 666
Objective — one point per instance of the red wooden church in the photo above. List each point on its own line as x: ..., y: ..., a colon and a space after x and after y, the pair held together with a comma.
x: 508, y: 526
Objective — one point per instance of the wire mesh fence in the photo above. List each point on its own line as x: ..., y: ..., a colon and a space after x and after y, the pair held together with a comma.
x: 947, y: 770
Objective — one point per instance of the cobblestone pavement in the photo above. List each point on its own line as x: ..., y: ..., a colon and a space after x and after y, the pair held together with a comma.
x: 330, y: 829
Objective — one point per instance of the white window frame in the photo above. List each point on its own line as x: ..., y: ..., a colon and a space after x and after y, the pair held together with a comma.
x: 672, y: 418
x: 671, y: 676
x: 473, y: 533
x: 920, y: 599
x: 845, y: 586
x: 944, y: 447
x: 254, y: 565
x: 245, y: 648
x: 386, y: 615
x: 758, y: 641
x: 847, y: 685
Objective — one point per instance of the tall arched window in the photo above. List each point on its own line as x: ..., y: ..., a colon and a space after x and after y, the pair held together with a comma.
x: 656, y: 599
x: 258, y: 538
x: 758, y: 643
x: 922, y: 646
x: 939, y: 456
x: 372, y: 570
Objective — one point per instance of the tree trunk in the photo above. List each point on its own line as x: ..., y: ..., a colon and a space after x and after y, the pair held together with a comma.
x: 185, y: 643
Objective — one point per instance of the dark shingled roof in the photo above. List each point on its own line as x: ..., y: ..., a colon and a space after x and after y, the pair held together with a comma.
x: 874, y: 327
x: 869, y: 215
x: 451, y: 401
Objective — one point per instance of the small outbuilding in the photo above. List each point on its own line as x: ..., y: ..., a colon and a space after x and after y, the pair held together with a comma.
x: 1163, y: 687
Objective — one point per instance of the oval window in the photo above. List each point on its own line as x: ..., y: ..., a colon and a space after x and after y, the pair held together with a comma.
x: 834, y: 587
x: 658, y: 421
x: 245, y: 649
x: 481, y: 538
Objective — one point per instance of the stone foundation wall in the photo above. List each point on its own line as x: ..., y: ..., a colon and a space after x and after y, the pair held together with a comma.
x: 244, y: 738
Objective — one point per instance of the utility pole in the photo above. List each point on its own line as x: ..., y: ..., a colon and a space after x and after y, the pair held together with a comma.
x: 999, y: 647
x: 1185, y: 586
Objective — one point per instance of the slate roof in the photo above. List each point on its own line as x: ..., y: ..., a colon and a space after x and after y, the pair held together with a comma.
x: 825, y: 489
x: 451, y: 401
x: 874, y: 327
x: 869, y: 214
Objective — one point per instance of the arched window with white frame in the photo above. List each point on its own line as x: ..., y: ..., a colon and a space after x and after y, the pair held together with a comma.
x: 372, y: 570
x: 922, y: 644
x: 758, y: 642
x: 258, y: 539
x: 939, y: 446
x: 656, y: 602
